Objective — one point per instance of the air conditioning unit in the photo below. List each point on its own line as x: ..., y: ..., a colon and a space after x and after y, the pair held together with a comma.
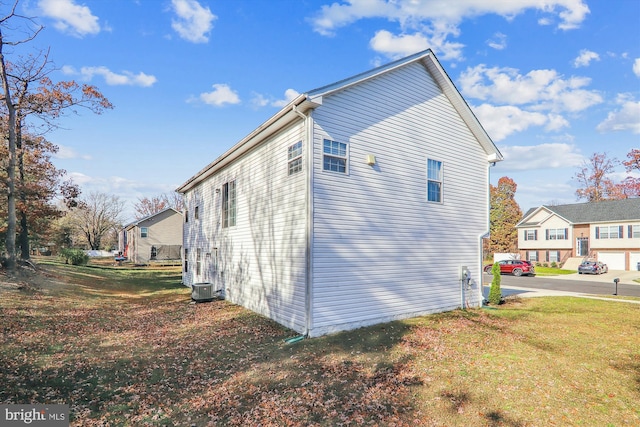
x: 202, y: 292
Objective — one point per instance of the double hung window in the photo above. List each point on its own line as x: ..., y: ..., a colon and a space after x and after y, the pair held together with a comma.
x: 610, y: 232
x: 557, y: 234
x: 229, y: 204
x: 335, y: 156
x: 294, y: 156
x: 434, y: 181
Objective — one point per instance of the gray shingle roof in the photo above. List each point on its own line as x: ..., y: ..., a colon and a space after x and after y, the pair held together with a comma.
x: 609, y: 210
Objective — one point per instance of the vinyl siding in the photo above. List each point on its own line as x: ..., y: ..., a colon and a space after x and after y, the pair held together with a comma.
x: 261, y: 260
x: 381, y: 251
x: 163, y: 229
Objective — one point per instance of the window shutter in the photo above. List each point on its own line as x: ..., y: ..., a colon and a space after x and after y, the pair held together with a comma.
x: 525, y: 235
x: 621, y: 230
x: 547, y: 234
x: 547, y: 256
x: 535, y: 234
x: 597, y: 232
x: 566, y: 234
x: 629, y: 232
x: 537, y: 255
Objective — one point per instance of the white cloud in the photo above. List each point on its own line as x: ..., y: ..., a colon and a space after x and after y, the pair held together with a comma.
x: 289, y: 95
x: 193, y: 22
x: 500, y: 122
x: 543, y: 156
x: 498, y: 41
x: 636, y: 67
x: 540, y: 89
x: 398, y: 46
x: 220, y: 95
x: 126, y: 78
x: 585, y: 57
x: 70, y: 17
x: 626, y: 118
x: 65, y: 152
x: 436, y: 21
x: 260, y: 100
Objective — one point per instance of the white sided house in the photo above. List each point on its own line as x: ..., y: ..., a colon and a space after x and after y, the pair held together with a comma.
x: 157, y: 237
x: 358, y: 203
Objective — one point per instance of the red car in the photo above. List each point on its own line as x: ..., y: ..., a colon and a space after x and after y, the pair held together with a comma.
x: 517, y: 267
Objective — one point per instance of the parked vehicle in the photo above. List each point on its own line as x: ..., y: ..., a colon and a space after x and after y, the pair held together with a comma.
x: 517, y: 267
x: 593, y: 267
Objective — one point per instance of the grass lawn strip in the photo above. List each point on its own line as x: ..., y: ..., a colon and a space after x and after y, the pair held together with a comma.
x: 125, y: 347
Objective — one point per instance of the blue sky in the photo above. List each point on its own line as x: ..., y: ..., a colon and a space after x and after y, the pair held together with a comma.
x: 552, y: 81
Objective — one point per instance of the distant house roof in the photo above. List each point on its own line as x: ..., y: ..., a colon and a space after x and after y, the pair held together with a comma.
x: 148, y: 217
x: 313, y: 99
x: 586, y: 213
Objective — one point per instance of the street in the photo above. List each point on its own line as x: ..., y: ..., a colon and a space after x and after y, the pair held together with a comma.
x: 604, y: 287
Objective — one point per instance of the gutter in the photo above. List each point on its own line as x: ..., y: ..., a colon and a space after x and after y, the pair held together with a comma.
x: 262, y: 132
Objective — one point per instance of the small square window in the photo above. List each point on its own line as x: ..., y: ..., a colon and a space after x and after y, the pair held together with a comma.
x: 144, y: 232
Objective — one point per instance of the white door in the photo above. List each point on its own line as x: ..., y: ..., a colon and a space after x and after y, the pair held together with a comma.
x: 614, y: 260
x: 211, y: 267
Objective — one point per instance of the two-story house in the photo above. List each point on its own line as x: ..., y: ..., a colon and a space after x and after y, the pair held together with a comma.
x: 608, y: 231
x: 344, y: 209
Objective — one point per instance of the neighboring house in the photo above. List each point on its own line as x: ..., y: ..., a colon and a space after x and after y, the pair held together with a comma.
x: 157, y: 237
x: 607, y: 231
x: 357, y: 203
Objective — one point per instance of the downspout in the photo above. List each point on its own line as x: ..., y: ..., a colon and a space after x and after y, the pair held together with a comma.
x: 487, y: 233
x: 309, y: 219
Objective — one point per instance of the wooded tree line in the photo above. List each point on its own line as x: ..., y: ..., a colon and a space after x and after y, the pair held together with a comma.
x: 596, y: 184
x: 41, y: 206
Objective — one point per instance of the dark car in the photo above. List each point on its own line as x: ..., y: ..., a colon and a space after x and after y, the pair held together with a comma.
x: 593, y: 267
x: 517, y: 267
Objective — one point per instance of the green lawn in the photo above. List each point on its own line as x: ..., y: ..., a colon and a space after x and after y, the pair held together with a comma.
x: 126, y: 347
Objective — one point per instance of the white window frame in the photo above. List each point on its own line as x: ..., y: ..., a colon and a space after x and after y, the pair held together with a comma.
x: 337, y: 154
x: 144, y: 232
x: 532, y: 256
x: 635, y: 231
x: 554, y: 254
x: 294, y: 158
x: 556, y: 234
x: 530, y: 235
x: 229, y: 204
x: 436, y: 179
x: 609, y: 232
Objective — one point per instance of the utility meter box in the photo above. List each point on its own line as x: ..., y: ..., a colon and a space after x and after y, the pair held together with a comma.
x: 464, y: 272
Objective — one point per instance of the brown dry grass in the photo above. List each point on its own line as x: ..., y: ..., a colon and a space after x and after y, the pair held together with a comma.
x: 126, y: 347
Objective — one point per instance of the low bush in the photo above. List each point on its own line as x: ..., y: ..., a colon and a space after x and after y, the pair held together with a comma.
x: 74, y: 256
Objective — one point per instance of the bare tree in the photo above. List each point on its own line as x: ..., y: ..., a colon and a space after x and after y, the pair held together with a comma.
x: 97, y: 215
x: 148, y: 206
x: 594, y: 181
